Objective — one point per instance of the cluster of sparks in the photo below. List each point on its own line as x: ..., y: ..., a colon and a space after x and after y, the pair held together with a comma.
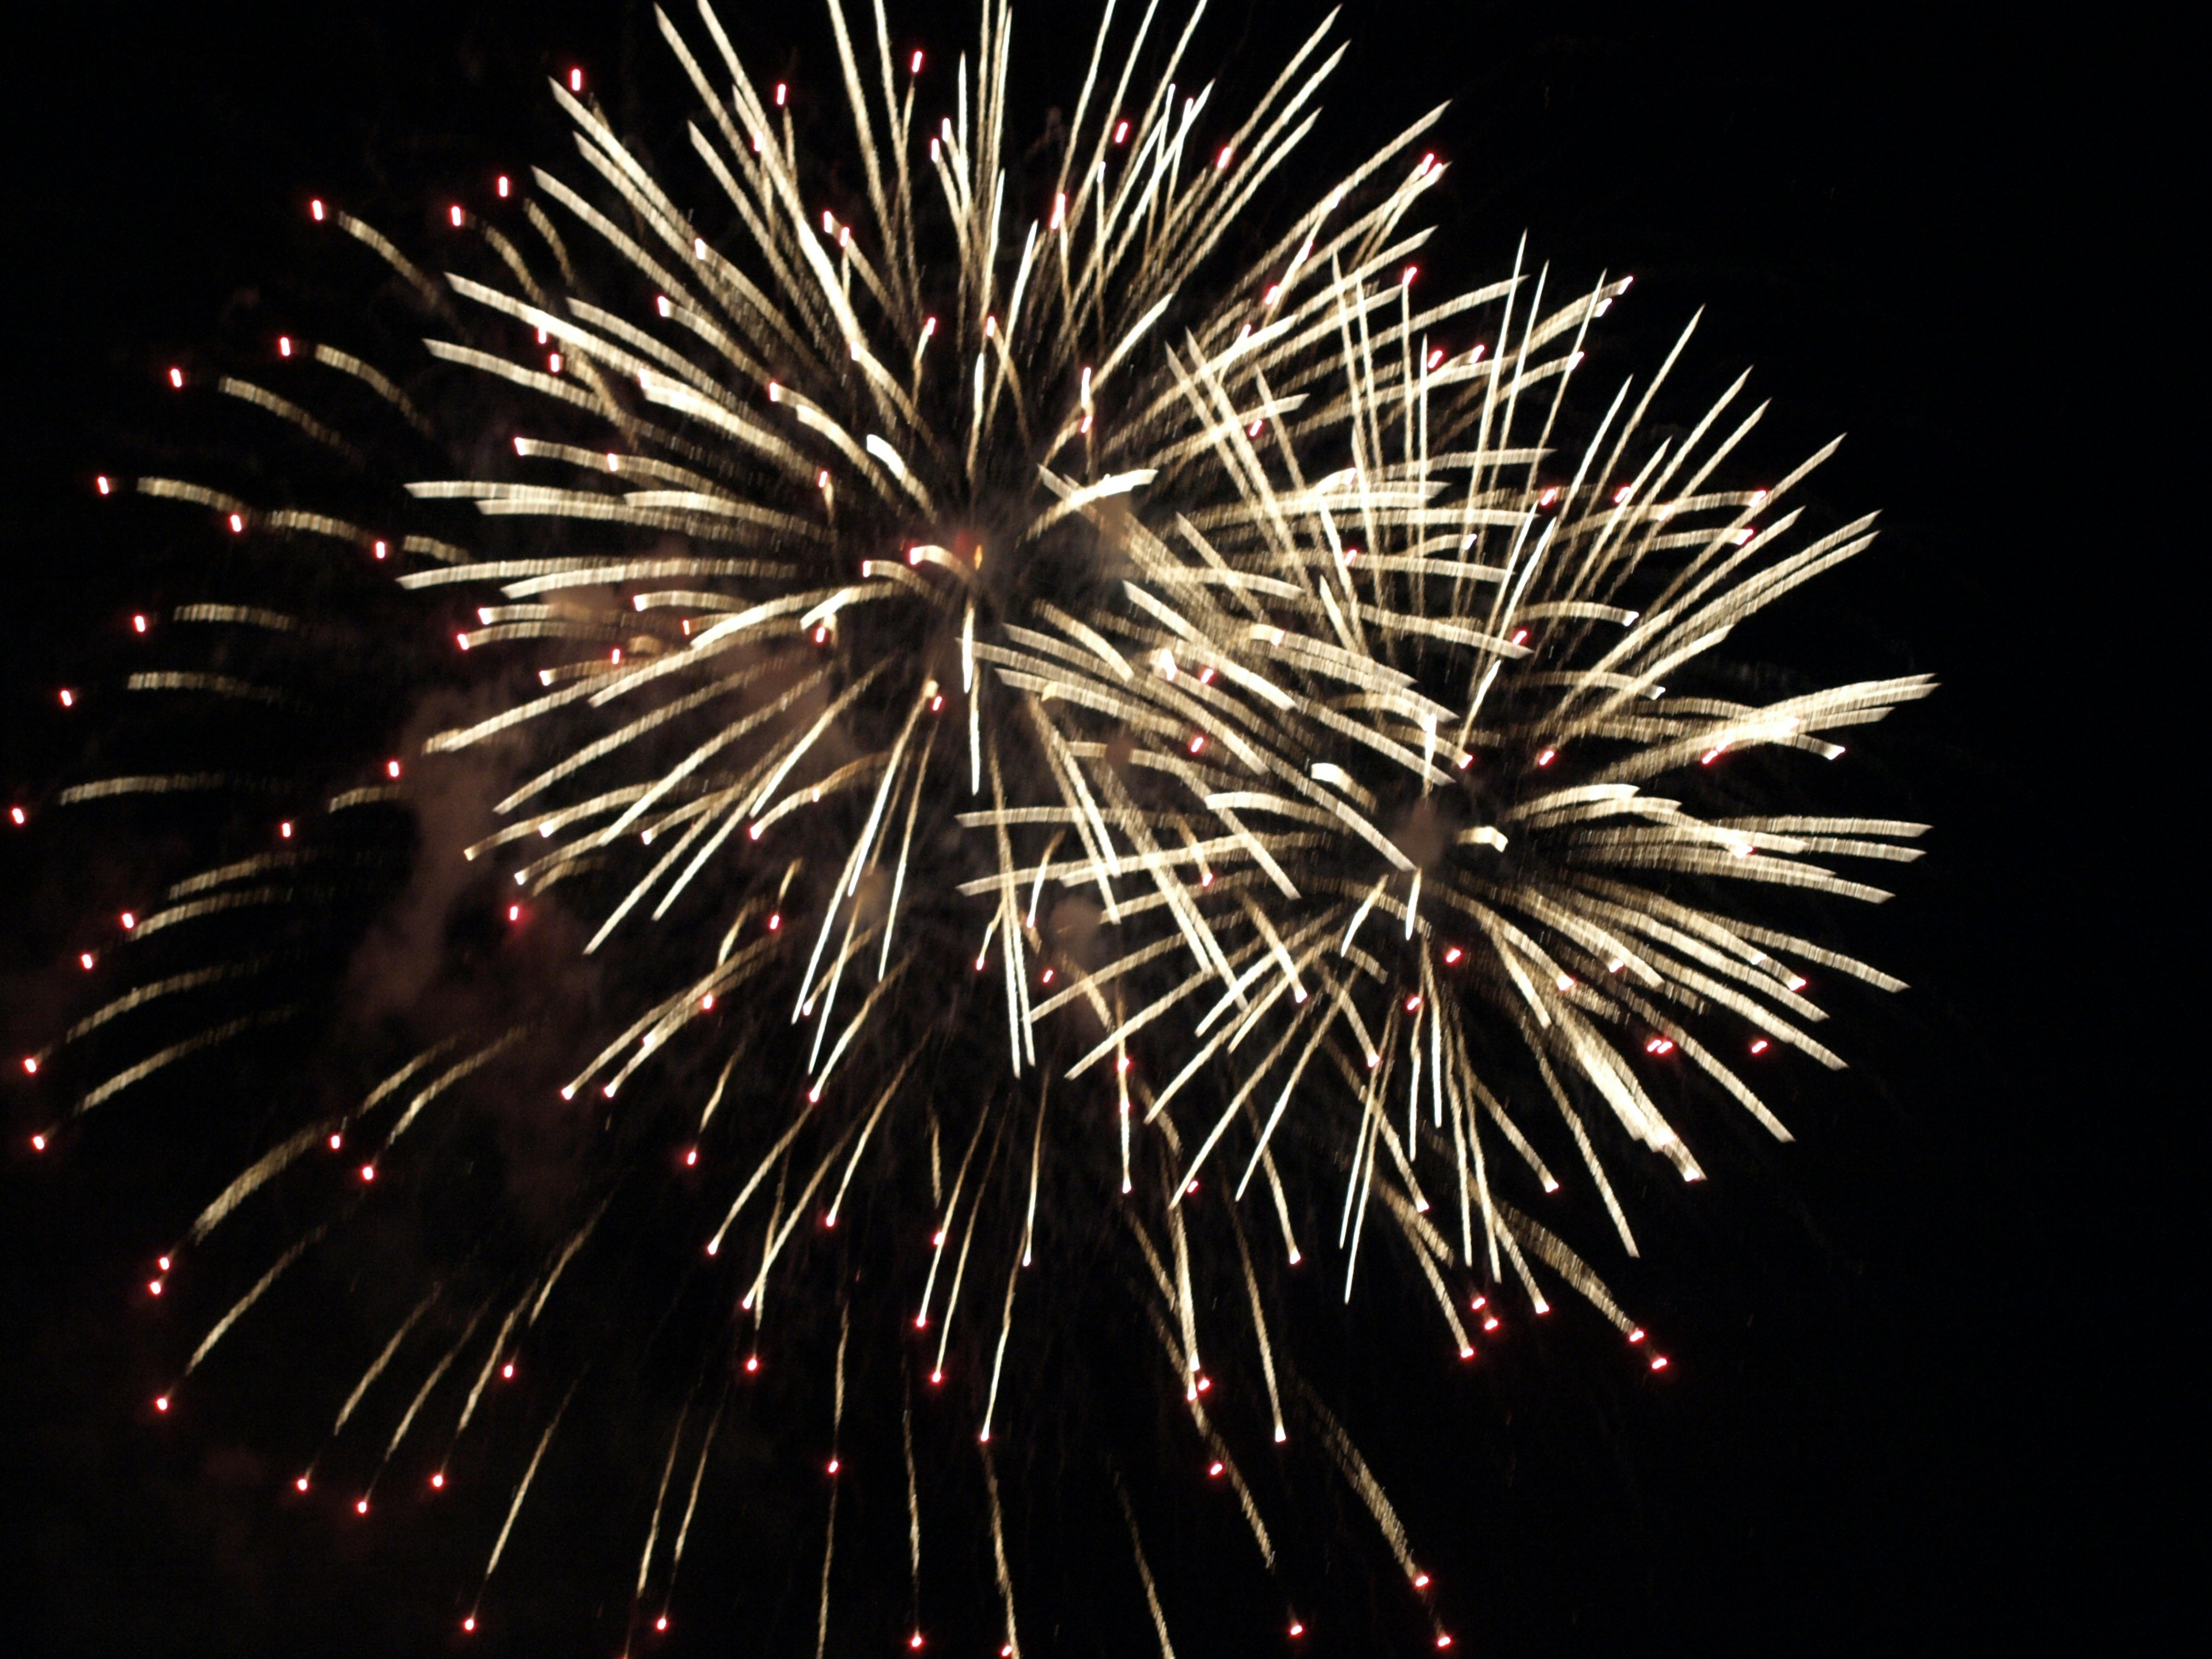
x: 1296, y: 710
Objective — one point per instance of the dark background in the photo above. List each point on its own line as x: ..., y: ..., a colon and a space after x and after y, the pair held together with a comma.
x: 1929, y: 1362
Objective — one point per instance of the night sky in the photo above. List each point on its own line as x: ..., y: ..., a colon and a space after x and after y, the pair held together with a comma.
x: 1927, y: 1355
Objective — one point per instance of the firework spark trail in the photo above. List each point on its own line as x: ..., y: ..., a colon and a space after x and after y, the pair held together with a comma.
x: 1333, y: 702
x: 1145, y: 1574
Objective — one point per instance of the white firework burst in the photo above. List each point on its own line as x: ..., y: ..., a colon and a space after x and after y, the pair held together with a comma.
x: 1046, y: 683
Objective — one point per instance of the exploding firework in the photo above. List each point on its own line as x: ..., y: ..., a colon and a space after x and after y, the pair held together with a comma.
x: 1066, y: 748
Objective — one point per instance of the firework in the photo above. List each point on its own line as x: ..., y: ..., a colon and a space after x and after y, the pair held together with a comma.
x: 1053, y: 711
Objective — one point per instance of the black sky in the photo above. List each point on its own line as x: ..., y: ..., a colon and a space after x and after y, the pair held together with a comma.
x: 1929, y: 1358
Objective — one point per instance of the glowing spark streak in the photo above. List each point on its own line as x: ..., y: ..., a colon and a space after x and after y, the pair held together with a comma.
x: 567, y: 1254
x: 906, y: 844
x: 998, y: 1359
x: 377, y: 1365
x: 774, y: 1153
x: 491, y: 1361
x: 1145, y: 1574
x: 860, y: 1145
x: 998, y: 1553
x: 883, y: 794
x: 1361, y: 914
x: 836, y: 1419
x: 1128, y: 1028
x: 699, y: 1475
x: 1259, y: 1326
x: 1283, y: 1100
x: 238, y: 1308
x: 1251, y: 1082
x: 1037, y: 1160
x: 967, y: 1243
x: 483, y: 1057
x: 912, y: 1513
x: 835, y: 978
x: 175, y: 1051
x: 1037, y: 890
x: 661, y: 1495
x: 522, y: 1491
x: 429, y: 1382
x: 945, y: 1223
x: 258, y: 1175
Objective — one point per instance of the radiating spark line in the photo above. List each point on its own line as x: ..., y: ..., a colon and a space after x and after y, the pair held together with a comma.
x: 522, y: 1487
